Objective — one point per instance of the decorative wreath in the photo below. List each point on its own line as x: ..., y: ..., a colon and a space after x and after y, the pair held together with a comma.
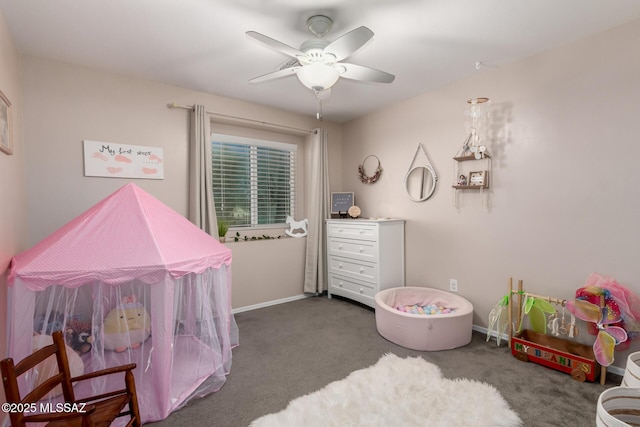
x: 363, y: 176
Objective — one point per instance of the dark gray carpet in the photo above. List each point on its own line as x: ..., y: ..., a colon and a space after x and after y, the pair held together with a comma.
x: 296, y: 348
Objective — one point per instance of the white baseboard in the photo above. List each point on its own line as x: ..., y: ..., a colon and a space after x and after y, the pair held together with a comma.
x: 270, y: 303
x: 616, y: 370
x: 613, y: 369
x: 494, y: 334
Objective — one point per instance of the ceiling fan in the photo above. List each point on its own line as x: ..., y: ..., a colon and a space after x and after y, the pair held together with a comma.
x: 317, y: 63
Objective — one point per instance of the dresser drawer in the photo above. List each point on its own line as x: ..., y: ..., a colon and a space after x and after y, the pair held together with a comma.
x: 344, y: 285
x: 353, y: 268
x: 360, y: 249
x: 364, y: 257
x: 353, y: 231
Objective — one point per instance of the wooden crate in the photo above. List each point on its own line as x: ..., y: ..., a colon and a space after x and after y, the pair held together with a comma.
x: 556, y: 353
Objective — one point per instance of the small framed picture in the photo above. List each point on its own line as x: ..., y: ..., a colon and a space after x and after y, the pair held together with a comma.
x: 6, y: 141
x: 479, y: 179
x: 341, y: 202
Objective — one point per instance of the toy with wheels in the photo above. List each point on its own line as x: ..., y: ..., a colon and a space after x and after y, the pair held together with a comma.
x: 538, y: 346
x: 567, y: 356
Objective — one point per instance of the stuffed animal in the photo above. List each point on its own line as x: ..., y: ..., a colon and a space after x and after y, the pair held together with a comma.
x: 126, y: 326
x: 78, y: 335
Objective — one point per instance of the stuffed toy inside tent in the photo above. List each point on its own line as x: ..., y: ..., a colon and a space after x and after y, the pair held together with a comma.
x: 129, y: 280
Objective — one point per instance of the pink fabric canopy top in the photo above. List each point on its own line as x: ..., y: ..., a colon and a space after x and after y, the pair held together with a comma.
x: 128, y: 236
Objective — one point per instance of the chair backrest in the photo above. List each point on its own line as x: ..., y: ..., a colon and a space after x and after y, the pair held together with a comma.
x: 26, y: 371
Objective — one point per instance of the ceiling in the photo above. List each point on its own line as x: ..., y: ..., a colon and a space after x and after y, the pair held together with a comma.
x: 202, y: 45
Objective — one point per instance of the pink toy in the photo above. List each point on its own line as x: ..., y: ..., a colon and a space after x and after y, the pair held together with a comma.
x: 422, y: 331
x: 613, y: 312
x: 131, y: 245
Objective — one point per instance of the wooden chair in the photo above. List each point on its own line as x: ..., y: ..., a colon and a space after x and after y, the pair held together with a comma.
x: 97, y: 411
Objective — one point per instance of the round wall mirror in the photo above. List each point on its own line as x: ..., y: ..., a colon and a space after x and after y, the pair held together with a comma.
x: 420, y: 183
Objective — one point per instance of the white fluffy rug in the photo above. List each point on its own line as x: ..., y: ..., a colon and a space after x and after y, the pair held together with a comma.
x: 397, y: 392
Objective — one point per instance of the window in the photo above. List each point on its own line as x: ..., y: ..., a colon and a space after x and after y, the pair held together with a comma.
x: 253, y: 180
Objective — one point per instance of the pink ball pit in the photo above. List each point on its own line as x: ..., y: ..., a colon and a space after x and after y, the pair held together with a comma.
x: 424, y: 332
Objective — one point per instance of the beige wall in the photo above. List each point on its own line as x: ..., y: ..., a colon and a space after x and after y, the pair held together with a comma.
x: 66, y: 104
x: 266, y: 270
x: 13, y: 225
x: 564, y: 197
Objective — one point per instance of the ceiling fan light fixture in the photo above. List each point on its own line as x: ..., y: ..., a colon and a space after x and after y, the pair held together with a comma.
x: 318, y: 76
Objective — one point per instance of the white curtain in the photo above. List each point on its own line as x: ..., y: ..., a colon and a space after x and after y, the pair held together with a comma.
x: 318, y: 208
x: 201, y: 207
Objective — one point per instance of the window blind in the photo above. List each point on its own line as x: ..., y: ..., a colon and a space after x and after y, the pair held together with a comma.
x: 253, y: 180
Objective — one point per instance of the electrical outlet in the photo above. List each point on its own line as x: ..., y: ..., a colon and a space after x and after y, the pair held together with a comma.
x: 453, y: 285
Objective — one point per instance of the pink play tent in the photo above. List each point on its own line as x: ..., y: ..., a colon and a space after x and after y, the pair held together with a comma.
x: 130, y: 280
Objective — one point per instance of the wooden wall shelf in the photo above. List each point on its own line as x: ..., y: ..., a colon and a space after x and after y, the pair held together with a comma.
x: 471, y: 157
x: 484, y: 164
x: 468, y: 187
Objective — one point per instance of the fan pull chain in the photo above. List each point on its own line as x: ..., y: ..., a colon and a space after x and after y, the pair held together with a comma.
x: 319, y: 106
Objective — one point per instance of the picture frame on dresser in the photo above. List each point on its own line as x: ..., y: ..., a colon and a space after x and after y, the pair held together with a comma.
x: 341, y: 202
x: 6, y: 137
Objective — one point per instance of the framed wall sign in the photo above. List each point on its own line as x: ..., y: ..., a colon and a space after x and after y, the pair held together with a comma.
x: 110, y: 160
x: 479, y: 179
x: 341, y: 202
x: 6, y: 137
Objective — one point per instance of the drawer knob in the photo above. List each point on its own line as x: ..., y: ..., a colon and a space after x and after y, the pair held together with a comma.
x: 361, y: 249
x: 339, y: 246
x: 361, y: 270
x: 361, y: 290
x: 361, y: 231
x: 340, y: 265
x: 340, y: 284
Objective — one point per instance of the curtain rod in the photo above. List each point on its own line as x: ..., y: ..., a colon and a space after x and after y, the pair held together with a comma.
x: 243, y: 119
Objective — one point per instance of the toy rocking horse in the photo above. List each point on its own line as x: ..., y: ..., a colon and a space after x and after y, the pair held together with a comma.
x: 297, y: 225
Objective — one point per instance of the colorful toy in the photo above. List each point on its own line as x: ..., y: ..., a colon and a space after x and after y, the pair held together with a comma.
x: 560, y: 354
x: 425, y: 309
x: 126, y: 326
x: 613, y: 311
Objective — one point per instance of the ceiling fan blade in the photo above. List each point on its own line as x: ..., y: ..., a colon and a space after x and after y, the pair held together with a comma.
x: 358, y: 72
x: 275, y: 75
x: 349, y: 43
x: 276, y: 45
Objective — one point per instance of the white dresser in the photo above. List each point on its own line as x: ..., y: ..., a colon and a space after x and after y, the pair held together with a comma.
x: 364, y: 257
